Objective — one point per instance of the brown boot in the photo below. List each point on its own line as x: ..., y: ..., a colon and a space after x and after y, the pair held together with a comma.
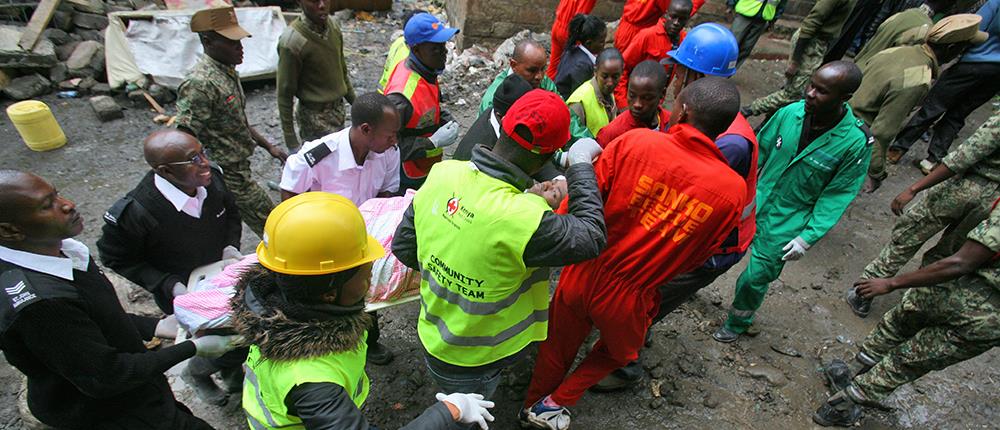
x: 893, y: 155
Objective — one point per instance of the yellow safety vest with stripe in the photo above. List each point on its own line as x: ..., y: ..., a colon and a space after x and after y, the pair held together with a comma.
x: 479, y: 303
x: 267, y: 383
x: 751, y: 8
x: 586, y: 95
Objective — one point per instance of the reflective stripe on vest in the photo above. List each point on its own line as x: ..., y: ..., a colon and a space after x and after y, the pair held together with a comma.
x: 751, y: 8
x: 479, y: 303
x: 424, y: 97
x: 748, y: 220
x: 586, y: 95
x: 267, y: 383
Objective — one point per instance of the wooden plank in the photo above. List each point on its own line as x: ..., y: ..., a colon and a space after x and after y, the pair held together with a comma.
x: 152, y: 102
x: 39, y: 20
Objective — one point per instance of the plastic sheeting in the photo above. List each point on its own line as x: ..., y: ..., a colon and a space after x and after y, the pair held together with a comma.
x: 161, y: 44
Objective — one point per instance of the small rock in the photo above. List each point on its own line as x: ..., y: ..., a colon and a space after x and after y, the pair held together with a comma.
x: 65, y: 50
x: 97, y: 61
x: 657, y: 373
x: 95, y: 35
x: 90, y: 21
x: 89, y: 6
x: 106, y: 108
x: 70, y: 84
x: 816, y: 286
x: 657, y: 403
x: 26, y: 87
x: 82, y: 54
x: 62, y: 20
x: 136, y: 97
x: 87, y: 83
x: 843, y: 339
x: 83, y: 73
x: 786, y: 350
x: 57, y: 36
x: 101, y: 88
x: 710, y: 401
x: 161, y: 94
x: 58, y: 73
x: 770, y: 374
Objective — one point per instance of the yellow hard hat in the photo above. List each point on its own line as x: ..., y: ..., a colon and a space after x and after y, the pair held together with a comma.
x: 314, y: 234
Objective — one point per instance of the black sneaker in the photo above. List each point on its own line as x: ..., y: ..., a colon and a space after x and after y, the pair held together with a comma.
x: 859, y: 305
x: 379, y: 354
x: 838, y: 375
x: 617, y: 381
x: 838, y: 410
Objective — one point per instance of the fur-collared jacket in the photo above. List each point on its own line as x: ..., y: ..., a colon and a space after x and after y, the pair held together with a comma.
x: 271, y: 325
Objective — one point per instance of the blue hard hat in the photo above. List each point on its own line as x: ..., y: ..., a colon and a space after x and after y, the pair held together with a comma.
x: 710, y: 49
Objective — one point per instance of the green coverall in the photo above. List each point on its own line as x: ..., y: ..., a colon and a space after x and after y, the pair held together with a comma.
x: 799, y: 195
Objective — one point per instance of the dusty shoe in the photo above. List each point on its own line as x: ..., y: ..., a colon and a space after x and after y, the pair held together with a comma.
x: 859, y: 305
x: 540, y: 416
x: 838, y: 375
x: 893, y: 155
x: 379, y: 354
x: 205, y: 388
x: 838, y: 410
x: 925, y: 166
x: 616, y: 381
x: 725, y: 335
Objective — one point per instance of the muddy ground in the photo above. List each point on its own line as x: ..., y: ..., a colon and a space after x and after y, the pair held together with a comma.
x: 694, y: 382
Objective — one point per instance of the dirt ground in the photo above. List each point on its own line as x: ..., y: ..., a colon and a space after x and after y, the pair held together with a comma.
x: 693, y: 381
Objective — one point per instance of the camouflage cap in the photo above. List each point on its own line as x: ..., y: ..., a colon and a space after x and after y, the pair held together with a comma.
x: 221, y: 20
x: 959, y: 28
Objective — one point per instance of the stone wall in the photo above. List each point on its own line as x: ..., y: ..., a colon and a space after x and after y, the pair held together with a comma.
x: 489, y: 22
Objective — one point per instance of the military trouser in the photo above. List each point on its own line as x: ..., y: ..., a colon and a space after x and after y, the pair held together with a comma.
x: 955, y: 206
x: 751, y: 287
x: 930, y: 329
x: 747, y: 31
x: 812, y: 58
x: 316, y: 120
x: 253, y: 202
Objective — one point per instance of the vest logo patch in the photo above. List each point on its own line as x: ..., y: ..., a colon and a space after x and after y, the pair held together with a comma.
x: 778, y: 145
x: 18, y: 295
x: 220, y: 214
x: 453, y: 205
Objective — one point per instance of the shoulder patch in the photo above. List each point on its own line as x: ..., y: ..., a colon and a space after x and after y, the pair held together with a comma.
x: 18, y: 292
x: 317, y: 154
x: 916, y: 76
x: 115, y: 212
x: 292, y: 40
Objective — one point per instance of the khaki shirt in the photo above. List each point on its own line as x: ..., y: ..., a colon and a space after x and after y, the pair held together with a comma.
x: 211, y: 104
x: 826, y: 19
x: 895, y: 81
x: 909, y: 27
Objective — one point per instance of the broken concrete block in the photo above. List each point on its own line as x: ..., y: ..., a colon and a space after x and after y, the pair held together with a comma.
x: 97, y: 61
x: 106, y: 108
x: 101, y: 88
x: 88, y: 6
x: 57, y: 36
x: 64, y: 51
x: 26, y: 87
x: 62, y: 20
x: 86, y: 83
x: 82, y: 54
x: 85, y: 72
x: 95, y: 35
x: 42, y: 56
x: 58, y: 73
x: 90, y: 21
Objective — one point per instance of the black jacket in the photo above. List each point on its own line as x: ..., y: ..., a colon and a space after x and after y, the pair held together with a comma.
x: 84, y: 357
x: 575, y: 68
x: 149, y: 242
x: 480, y: 133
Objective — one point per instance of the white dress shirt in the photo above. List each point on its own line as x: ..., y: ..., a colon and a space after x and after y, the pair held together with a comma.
x: 180, y: 200
x: 77, y: 256
x: 338, y: 173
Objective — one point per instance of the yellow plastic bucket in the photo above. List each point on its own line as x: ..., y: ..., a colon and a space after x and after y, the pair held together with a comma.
x: 37, y: 126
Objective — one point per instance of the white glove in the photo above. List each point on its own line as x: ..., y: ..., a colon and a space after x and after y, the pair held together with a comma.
x: 179, y: 289
x: 583, y: 151
x: 446, y: 135
x: 231, y: 255
x: 796, y: 249
x: 166, y: 328
x: 214, y: 346
x: 471, y: 407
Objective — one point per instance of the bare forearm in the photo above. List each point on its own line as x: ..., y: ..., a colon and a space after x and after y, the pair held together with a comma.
x: 940, y: 174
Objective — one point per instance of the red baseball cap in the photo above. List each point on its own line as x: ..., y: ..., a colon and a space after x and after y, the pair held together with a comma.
x: 546, y: 116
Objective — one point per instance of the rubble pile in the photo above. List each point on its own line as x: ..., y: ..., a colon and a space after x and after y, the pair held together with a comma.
x: 473, y: 69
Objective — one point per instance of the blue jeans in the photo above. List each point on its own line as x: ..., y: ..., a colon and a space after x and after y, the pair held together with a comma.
x: 485, y: 383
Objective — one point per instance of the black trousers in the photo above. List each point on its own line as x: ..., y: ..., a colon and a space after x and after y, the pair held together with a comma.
x: 960, y: 90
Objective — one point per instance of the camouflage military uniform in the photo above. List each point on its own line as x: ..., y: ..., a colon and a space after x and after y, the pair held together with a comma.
x: 316, y: 121
x: 812, y: 58
x: 936, y: 327
x: 955, y: 206
x: 210, y: 104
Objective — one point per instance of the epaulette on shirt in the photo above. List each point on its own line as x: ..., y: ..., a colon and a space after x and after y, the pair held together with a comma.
x: 19, y: 291
x: 139, y: 215
x: 317, y: 154
x: 869, y: 138
x: 114, y: 213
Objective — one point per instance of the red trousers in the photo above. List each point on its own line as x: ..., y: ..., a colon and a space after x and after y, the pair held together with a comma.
x: 622, y: 315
